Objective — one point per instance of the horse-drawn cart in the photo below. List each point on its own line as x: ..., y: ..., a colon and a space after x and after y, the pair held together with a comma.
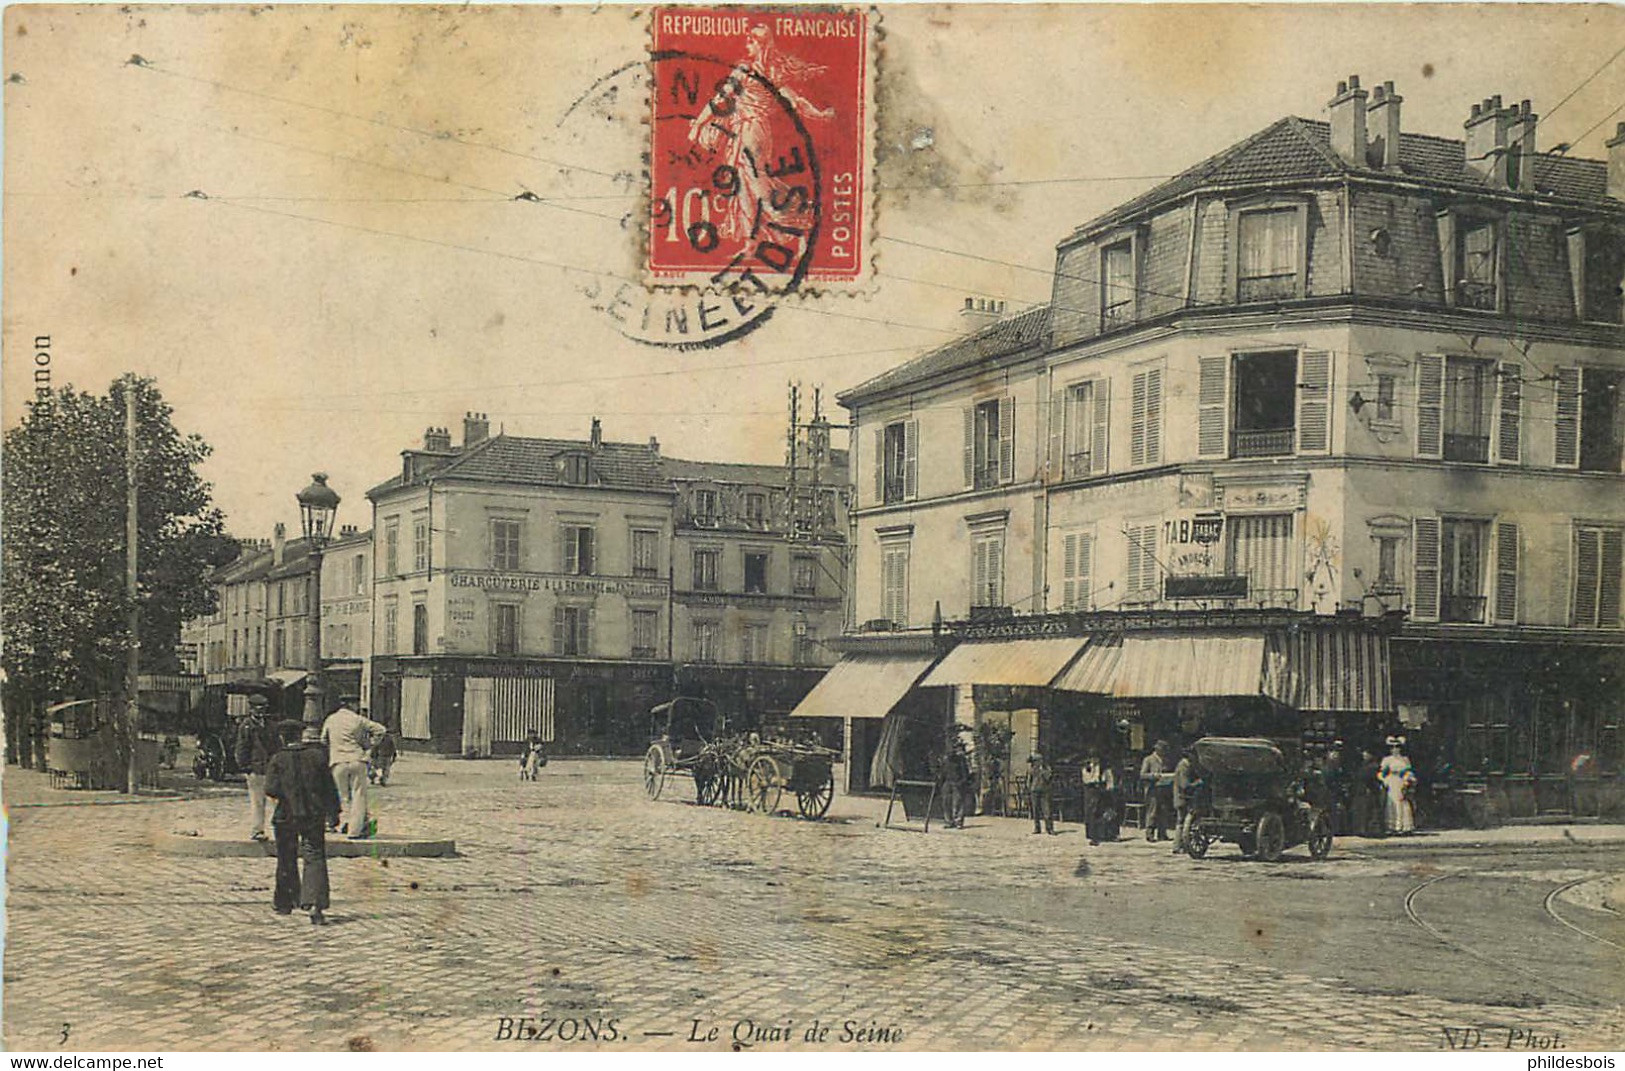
x: 734, y: 770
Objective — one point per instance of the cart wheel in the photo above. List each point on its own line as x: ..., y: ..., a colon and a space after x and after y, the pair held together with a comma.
x: 763, y: 785
x: 654, y: 772
x: 814, y: 802
x: 1320, y: 837
x: 1195, y: 838
x: 1271, y: 837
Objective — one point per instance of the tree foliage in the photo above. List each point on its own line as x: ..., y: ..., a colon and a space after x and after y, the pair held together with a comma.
x: 63, y: 515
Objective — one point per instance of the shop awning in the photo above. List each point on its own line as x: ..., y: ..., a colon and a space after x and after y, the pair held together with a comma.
x: 1329, y: 669
x: 1184, y: 666
x: 1010, y: 662
x: 862, y: 686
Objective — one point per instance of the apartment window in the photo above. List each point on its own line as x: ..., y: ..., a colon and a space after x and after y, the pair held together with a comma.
x: 645, y: 633
x: 987, y: 570
x: 1600, y: 425
x: 280, y: 648
x: 576, y: 550
x: 645, y: 552
x: 392, y: 547
x: 505, y: 544
x: 753, y: 643
x: 705, y: 569
x: 420, y: 544
x: 1145, y: 425
x: 1477, y: 263
x: 1142, y: 562
x: 755, y: 573
x: 1385, y: 396
x: 1462, y: 548
x: 807, y: 647
x: 392, y: 644
x: 1083, y: 429
x: 705, y: 507
x: 420, y: 628
x: 1387, y: 582
x: 894, y: 584
x: 704, y: 647
x: 987, y: 440
x: 1468, y: 393
x: 805, y: 578
x: 1597, y: 563
x: 1261, y: 549
x: 755, y: 507
x: 1077, y: 570
x: 282, y: 599
x: 1604, y: 259
x: 1269, y: 245
x: 572, y: 630
x: 1117, y: 285
x: 505, y: 628
x: 1264, y: 410
x: 899, y: 450
x: 358, y: 574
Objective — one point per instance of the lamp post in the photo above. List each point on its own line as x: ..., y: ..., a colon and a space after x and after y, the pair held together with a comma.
x: 318, y: 504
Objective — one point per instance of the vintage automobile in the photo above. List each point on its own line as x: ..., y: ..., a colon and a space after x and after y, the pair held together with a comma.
x: 1251, y: 795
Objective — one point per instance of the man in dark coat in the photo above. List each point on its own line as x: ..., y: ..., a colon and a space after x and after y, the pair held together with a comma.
x: 256, y: 743
x: 306, y: 802
x: 1040, y: 791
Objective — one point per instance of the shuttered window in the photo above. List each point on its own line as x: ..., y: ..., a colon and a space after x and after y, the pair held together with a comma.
x: 894, y: 584
x: 1314, y: 401
x: 1142, y: 562
x: 1506, y: 572
x: 1429, y: 405
x: 1078, y: 430
x: 1212, y: 406
x: 1509, y: 415
x: 1261, y: 549
x: 1598, y: 554
x: 987, y: 570
x: 1077, y: 570
x: 990, y: 442
x: 1145, y: 421
x: 1425, y: 597
x: 897, y: 452
x: 1566, y: 453
x: 572, y: 630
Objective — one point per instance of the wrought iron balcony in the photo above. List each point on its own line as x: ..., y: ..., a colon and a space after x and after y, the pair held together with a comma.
x: 1263, y: 442
x: 1461, y: 609
x: 1467, y: 448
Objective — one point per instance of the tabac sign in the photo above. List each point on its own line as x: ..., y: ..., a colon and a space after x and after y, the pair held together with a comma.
x: 1191, y: 543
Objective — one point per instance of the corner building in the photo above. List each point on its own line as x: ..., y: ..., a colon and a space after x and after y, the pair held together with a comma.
x: 1345, y: 388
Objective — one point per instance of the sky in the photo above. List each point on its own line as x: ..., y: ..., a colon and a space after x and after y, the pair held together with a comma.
x: 300, y: 219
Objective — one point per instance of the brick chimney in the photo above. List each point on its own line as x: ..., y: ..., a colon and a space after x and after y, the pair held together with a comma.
x: 979, y: 312
x: 476, y: 429
x: 1348, y: 121
x: 1382, y: 128
x: 279, y: 542
x: 597, y: 433
x: 1616, y: 164
x: 1488, y: 152
x: 1521, y: 144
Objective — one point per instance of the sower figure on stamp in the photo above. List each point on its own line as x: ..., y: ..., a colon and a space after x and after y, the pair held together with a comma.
x: 256, y: 743
x: 297, y: 778
x: 1040, y: 778
x: 349, y: 738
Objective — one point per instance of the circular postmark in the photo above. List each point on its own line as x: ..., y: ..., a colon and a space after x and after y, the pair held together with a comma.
x: 730, y: 196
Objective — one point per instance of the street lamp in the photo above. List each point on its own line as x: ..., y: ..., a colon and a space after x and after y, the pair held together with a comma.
x: 318, y: 504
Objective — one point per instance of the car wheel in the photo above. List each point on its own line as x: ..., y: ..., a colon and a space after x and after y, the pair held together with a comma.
x: 1320, y: 837
x: 1271, y: 837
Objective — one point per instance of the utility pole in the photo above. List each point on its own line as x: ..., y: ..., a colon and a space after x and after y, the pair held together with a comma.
x: 132, y: 532
x: 792, y: 459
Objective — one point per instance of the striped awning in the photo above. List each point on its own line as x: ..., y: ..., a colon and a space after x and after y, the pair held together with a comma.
x: 1329, y: 669
x: 862, y: 686
x: 1009, y: 662
x: 1182, y: 666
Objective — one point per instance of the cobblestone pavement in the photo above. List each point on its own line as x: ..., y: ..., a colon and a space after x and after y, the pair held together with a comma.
x: 576, y: 901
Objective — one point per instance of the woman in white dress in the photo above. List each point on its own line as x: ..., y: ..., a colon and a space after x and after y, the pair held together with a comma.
x: 1396, y: 777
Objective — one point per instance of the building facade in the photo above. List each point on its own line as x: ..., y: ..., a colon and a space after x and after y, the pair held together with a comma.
x: 1338, y: 372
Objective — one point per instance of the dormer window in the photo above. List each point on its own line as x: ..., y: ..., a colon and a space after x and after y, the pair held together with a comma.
x: 755, y: 507
x: 1117, y: 285
x: 705, y: 507
x: 1476, y: 242
x: 576, y: 468
x: 1270, y: 252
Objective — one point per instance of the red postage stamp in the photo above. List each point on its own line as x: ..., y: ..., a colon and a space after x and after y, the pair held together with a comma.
x: 759, y: 161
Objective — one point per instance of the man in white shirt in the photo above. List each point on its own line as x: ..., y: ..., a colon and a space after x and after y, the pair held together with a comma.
x: 349, y: 738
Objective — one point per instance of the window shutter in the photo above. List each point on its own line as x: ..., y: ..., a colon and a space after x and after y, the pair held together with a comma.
x: 1613, y: 558
x: 1587, y: 546
x: 1069, y: 571
x: 1509, y: 414
x: 1506, y: 572
x: 558, y: 630
x: 1136, y: 431
x: 1007, y: 439
x: 995, y: 572
x: 911, y: 459
x: 1098, y: 433
x: 880, y: 464
x: 1429, y: 405
x: 978, y: 571
x: 586, y: 619
x: 970, y: 446
x: 1314, y: 402
x: 1425, y: 599
x: 1567, y: 452
x: 1210, y: 406
x: 567, y: 551
x: 1056, y: 469
x: 588, y: 550
x: 1153, y: 417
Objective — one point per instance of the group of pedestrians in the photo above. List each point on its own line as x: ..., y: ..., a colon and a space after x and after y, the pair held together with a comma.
x: 1371, y: 797
x: 318, y: 779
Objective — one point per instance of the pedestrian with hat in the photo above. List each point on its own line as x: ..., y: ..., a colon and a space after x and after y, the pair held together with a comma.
x: 297, y: 777
x: 256, y: 742
x: 1398, y: 780
x: 1040, y: 792
x: 1152, y: 771
x: 349, y: 738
